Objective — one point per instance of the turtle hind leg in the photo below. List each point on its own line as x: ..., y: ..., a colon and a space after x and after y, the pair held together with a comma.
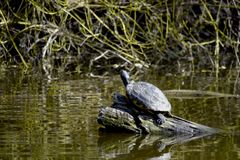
x: 160, y: 119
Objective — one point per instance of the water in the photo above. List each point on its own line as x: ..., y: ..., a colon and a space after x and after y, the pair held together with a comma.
x: 42, y: 119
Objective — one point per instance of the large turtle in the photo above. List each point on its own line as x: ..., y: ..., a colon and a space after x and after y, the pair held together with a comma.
x: 147, y: 98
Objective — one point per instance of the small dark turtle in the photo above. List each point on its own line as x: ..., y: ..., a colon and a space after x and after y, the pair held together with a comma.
x: 147, y: 98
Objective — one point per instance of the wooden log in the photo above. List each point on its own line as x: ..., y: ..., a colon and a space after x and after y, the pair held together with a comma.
x: 117, y: 119
x: 121, y: 116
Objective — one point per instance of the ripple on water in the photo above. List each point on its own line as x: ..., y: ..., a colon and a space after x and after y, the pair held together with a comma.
x: 58, y: 120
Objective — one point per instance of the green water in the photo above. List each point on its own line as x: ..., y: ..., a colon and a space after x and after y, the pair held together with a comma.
x: 56, y: 119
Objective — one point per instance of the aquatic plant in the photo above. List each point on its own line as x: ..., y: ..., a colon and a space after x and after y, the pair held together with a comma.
x: 70, y: 35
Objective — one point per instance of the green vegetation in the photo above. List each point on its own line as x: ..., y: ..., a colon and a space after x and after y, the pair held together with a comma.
x: 99, y: 35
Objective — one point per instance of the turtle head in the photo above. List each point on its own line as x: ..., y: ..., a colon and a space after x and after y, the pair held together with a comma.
x: 125, y: 77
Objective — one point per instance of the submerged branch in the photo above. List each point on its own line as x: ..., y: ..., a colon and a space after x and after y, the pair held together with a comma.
x: 191, y: 94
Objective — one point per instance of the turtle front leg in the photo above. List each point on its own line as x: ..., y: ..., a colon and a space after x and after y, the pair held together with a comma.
x: 160, y: 119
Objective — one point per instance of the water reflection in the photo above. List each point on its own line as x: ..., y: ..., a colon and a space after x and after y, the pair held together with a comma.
x: 124, y: 146
x: 57, y: 119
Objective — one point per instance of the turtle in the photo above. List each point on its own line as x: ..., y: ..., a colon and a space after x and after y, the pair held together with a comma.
x: 147, y: 98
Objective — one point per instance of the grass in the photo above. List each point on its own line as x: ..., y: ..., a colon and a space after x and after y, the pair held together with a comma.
x: 100, y: 35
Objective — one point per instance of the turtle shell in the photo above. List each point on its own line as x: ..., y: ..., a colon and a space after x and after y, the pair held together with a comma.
x: 147, y: 97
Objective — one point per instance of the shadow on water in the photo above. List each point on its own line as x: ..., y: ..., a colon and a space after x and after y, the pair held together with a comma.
x: 56, y: 119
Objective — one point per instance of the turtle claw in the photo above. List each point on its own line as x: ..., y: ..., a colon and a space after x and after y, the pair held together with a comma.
x: 160, y: 119
x: 159, y: 122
